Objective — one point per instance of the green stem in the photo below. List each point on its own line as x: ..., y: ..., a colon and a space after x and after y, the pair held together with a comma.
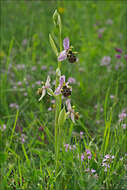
x: 58, y: 109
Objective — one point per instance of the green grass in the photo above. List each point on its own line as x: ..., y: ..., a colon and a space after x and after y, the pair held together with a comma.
x: 24, y: 49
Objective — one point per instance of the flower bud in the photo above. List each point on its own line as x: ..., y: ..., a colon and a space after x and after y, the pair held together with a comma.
x: 57, y: 19
x: 58, y: 72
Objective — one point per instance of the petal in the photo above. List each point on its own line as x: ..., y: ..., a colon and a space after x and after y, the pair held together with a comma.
x: 66, y: 43
x: 62, y: 56
x: 67, y: 85
x: 71, y: 80
x: 43, y: 94
x: 62, y: 80
x: 77, y: 59
x: 72, y: 117
x: 47, y: 84
x: 58, y: 90
x: 68, y: 104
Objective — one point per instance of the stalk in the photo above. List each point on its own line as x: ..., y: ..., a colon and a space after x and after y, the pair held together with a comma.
x: 58, y: 107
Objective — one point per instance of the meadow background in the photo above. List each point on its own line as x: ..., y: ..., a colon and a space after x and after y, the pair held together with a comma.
x: 97, y: 30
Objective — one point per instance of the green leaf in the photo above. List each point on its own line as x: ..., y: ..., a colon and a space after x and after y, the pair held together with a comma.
x: 3, y: 157
x: 62, y: 117
x: 53, y: 45
x: 50, y: 91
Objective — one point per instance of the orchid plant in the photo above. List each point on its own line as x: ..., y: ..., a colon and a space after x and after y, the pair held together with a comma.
x: 62, y: 88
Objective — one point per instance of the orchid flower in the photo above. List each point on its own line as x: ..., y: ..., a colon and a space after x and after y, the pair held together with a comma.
x: 63, y: 54
x: 46, y: 87
x: 67, y: 52
x: 63, y: 87
x: 59, y: 88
